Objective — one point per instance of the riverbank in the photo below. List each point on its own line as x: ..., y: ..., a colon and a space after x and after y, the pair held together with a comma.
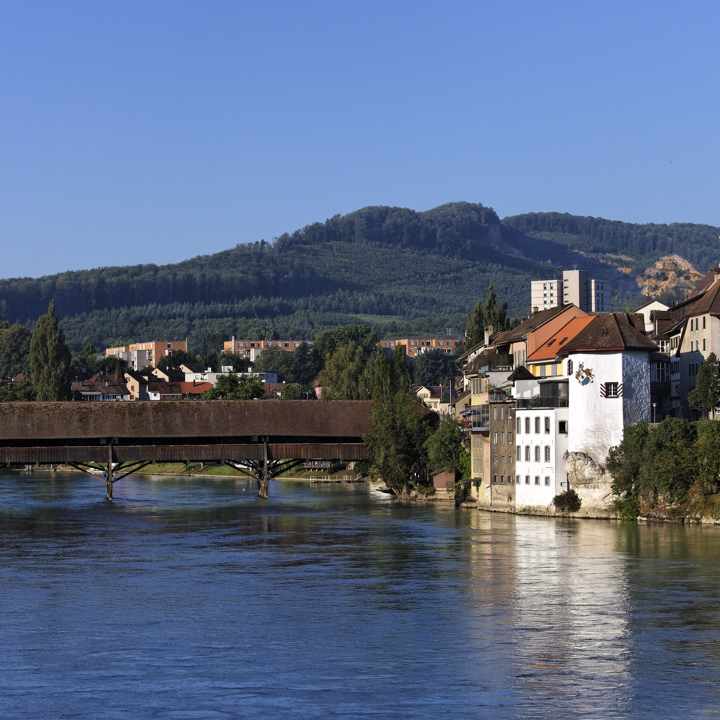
x: 673, y: 515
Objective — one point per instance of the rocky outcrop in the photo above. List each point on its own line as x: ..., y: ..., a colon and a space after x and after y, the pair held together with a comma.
x: 589, y: 480
x: 671, y: 273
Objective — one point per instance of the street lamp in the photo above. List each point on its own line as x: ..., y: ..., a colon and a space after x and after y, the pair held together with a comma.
x: 654, y: 404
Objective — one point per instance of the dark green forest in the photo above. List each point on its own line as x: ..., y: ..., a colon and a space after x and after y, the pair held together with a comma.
x: 642, y: 244
x: 393, y: 269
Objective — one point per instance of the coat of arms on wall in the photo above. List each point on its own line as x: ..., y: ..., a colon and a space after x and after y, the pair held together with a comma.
x: 584, y: 375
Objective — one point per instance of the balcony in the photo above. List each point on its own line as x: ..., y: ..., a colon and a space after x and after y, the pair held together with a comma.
x: 499, y: 396
x: 477, y: 419
x: 492, y: 362
x: 550, y: 401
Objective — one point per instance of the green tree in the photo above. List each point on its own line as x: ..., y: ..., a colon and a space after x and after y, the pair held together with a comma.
x: 495, y: 314
x: 706, y: 393
x: 178, y: 357
x: 294, y: 392
x: 234, y: 387
x: 707, y: 452
x: 14, y: 350
x: 23, y: 390
x: 446, y: 449
x: 328, y: 341
x: 85, y: 363
x: 347, y: 373
x: 475, y: 332
x: 299, y: 366
x: 228, y: 359
x: 433, y: 367
x: 400, y: 430
x: 50, y: 358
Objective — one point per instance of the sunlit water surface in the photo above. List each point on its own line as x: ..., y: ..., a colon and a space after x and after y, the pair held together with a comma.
x: 192, y: 598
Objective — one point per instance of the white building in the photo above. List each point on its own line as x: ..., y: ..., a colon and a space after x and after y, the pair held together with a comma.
x: 608, y: 370
x: 541, y: 437
x: 575, y: 288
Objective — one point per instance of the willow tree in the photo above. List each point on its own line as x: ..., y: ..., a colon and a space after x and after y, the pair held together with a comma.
x: 50, y: 358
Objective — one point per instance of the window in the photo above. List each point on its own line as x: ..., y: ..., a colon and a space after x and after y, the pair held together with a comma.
x: 519, y: 453
x: 517, y: 479
x: 502, y: 479
x: 547, y: 453
x: 494, y: 438
x: 510, y: 442
x: 537, y: 479
x: 547, y: 479
x: 527, y: 453
x: 519, y: 426
x: 703, y: 323
x: 570, y: 367
x: 527, y: 425
x: 537, y: 453
x: 502, y: 438
x: 562, y: 427
x: 495, y: 479
x: 611, y: 390
x: 537, y: 425
x: 527, y: 479
x: 547, y: 425
x: 703, y: 342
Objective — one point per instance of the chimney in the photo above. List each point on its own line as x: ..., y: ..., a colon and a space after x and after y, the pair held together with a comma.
x: 536, y: 309
x: 488, y: 333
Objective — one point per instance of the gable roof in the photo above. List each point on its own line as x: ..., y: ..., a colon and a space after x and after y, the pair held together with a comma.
x: 531, y: 323
x: 705, y: 283
x: 550, y: 349
x: 521, y: 373
x: 609, y: 331
x: 708, y: 303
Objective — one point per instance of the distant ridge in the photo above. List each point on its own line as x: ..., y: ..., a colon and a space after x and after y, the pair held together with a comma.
x: 394, y: 269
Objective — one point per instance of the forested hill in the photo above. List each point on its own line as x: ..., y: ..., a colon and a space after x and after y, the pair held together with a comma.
x: 394, y: 269
x: 639, y: 245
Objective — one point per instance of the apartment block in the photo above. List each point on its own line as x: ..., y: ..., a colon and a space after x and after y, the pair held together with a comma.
x: 251, y: 349
x: 575, y: 288
x: 416, y: 345
x: 141, y: 355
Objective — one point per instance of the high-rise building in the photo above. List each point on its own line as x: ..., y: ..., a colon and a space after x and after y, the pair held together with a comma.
x: 575, y: 288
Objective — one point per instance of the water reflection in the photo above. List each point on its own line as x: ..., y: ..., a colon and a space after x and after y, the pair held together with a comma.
x: 192, y: 598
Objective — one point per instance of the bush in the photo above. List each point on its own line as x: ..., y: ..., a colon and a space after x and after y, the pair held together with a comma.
x: 626, y: 508
x: 567, y: 502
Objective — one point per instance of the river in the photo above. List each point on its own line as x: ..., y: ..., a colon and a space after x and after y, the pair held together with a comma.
x: 192, y: 598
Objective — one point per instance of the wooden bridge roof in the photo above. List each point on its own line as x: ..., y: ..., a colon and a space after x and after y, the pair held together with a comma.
x: 184, y: 419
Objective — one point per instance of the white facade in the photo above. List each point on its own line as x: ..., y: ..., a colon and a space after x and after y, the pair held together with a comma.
x: 608, y: 391
x: 598, y: 296
x: 545, y: 294
x: 541, y: 442
x: 212, y: 377
x: 574, y: 289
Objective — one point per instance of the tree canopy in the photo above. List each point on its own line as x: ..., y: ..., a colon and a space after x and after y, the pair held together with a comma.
x: 706, y: 393
x: 234, y: 387
x: 400, y: 430
x: 50, y: 358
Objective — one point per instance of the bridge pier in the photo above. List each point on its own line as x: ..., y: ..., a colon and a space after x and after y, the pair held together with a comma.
x: 111, y: 471
x: 264, y: 470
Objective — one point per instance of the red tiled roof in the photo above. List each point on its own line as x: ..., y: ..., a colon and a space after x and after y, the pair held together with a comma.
x: 610, y: 331
x: 551, y: 349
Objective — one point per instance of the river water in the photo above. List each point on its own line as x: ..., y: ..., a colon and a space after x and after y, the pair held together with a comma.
x: 192, y: 598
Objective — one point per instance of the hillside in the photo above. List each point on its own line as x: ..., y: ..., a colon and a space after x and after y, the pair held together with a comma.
x: 394, y: 269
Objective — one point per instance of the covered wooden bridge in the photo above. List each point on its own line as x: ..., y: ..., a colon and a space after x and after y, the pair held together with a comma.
x: 110, y: 440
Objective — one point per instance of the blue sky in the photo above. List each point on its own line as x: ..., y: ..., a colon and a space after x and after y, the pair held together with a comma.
x: 135, y: 132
